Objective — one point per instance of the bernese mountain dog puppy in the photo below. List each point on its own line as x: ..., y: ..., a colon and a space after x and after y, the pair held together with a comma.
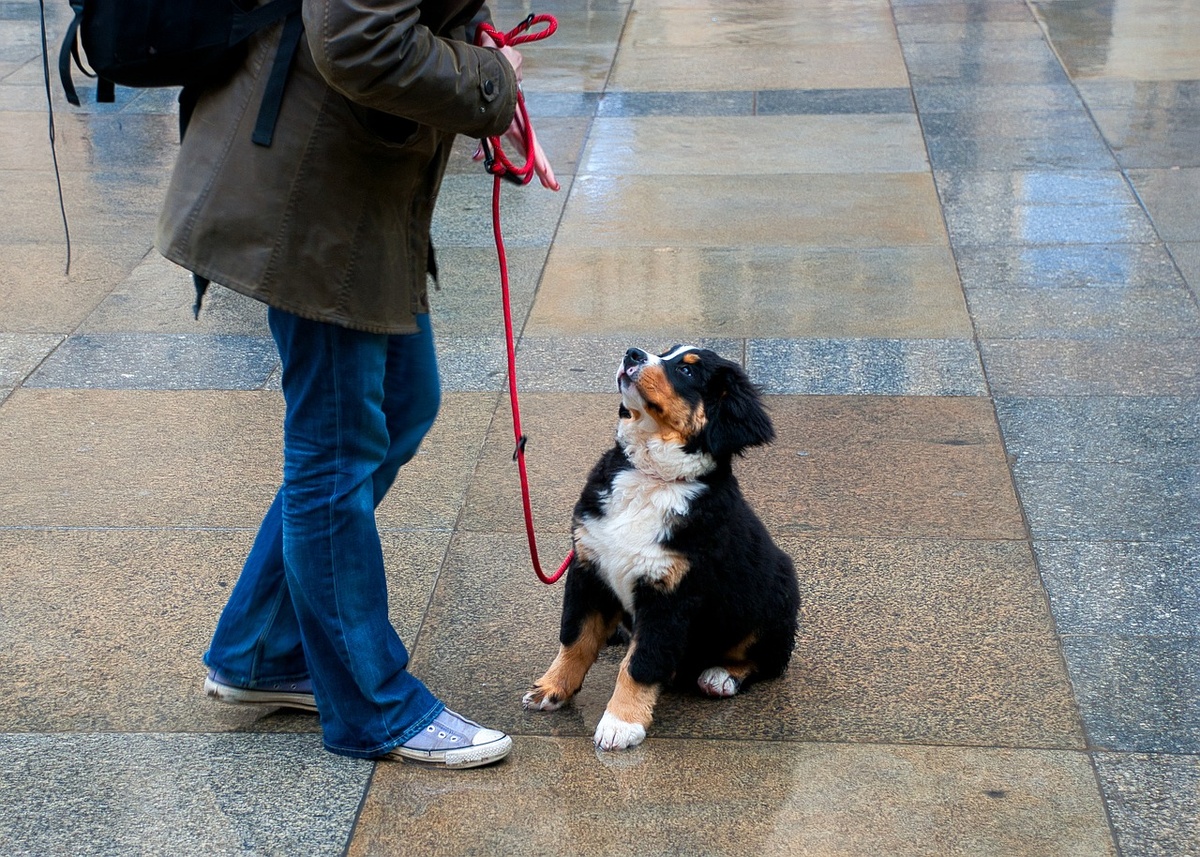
x: 667, y: 547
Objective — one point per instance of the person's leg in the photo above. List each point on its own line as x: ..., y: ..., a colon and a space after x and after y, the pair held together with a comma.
x: 335, y: 442
x: 257, y: 640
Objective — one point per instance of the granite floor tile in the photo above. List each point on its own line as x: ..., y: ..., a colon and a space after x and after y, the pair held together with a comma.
x: 1079, y: 266
x: 749, y: 211
x: 1147, y: 58
x: 977, y: 34
x: 845, y: 466
x: 567, y: 70
x: 1152, y: 138
x: 1170, y: 198
x: 821, y: 65
x: 560, y: 137
x: 158, y: 297
x: 89, y: 143
x: 626, y: 105
x: 1122, y: 588
x: 1137, y: 693
x: 900, y: 641
x: 1187, y: 257
x: 684, y: 293
x: 967, y: 10
x: 1124, y: 429
x: 158, y: 361
x: 22, y: 353
x: 39, y: 295
x: 884, y: 467
x: 157, y: 794
x: 138, y: 458
x: 467, y: 300
x: 1090, y: 313
x: 737, y: 798
x: 1041, y: 207
x: 989, y: 63
x: 1152, y: 803
x: 871, y: 367
x: 763, y: 145
x: 1145, y: 500
x: 528, y: 215
x: 833, y: 101
x: 103, y: 207
x: 1115, y: 367
x: 772, y: 24
x: 963, y: 97
x: 1039, y: 150
x: 105, y: 629
x: 1136, y: 94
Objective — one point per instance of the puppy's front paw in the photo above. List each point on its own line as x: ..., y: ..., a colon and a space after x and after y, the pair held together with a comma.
x: 541, y: 699
x: 612, y: 733
x: 716, y: 681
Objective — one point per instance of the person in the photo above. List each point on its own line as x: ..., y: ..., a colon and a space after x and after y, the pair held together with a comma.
x: 329, y: 226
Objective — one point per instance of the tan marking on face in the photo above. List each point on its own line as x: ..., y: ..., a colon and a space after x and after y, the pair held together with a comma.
x: 565, y: 675
x: 679, y: 423
x: 632, y: 701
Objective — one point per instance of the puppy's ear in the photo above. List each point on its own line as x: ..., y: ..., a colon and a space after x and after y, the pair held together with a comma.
x: 736, y: 418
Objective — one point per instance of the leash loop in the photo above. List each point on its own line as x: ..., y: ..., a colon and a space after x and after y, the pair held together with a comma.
x: 499, y: 166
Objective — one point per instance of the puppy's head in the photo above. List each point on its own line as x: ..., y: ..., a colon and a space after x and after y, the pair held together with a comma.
x: 691, y: 399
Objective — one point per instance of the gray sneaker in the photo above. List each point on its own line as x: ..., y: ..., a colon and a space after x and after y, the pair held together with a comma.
x: 455, y: 742
x: 288, y: 694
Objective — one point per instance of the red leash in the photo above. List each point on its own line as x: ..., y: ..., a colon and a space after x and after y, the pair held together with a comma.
x: 498, y: 164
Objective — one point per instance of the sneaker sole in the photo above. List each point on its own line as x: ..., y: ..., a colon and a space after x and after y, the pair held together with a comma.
x: 247, y: 696
x: 466, y: 757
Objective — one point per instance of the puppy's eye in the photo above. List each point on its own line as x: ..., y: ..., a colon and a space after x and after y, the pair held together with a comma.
x: 685, y: 371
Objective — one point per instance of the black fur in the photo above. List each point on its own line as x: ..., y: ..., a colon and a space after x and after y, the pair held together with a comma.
x: 738, y: 582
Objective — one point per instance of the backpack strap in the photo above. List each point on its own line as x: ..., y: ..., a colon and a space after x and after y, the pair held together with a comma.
x: 69, y: 49
x: 272, y: 100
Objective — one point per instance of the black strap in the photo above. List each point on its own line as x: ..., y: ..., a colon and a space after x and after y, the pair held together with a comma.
x: 248, y: 23
x: 272, y: 100
x: 69, y: 48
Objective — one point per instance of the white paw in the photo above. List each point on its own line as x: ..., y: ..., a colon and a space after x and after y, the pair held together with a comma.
x: 716, y: 681
x: 612, y: 733
x: 537, y: 700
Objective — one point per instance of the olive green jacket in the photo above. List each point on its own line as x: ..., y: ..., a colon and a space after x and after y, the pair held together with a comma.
x: 331, y: 221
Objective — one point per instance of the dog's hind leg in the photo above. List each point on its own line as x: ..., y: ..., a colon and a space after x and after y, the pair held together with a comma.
x: 727, y: 678
x: 565, y: 675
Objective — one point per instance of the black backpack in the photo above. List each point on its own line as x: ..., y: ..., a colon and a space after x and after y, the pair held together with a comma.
x: 185, y: 43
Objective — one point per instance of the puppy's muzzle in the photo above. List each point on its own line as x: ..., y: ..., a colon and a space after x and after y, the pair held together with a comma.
x: 632, y: 364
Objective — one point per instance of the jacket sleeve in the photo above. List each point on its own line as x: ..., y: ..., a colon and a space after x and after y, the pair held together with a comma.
x: 379, y: 56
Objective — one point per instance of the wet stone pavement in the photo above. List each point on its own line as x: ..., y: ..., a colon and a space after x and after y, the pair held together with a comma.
x: 957, y: 243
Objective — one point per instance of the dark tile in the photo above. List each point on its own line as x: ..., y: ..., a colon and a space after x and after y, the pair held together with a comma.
x: 1077, y: 266
x: 177, y: 794
x: 823, y: 101
x: 1136, y: 502
x: 1091, y: 313
x: 617, y: 103
x: 975, y: 34
x: 1038, y: 151
x: 956, y: 97
x: 880, y: 367
x: 153, y: 361
x: 1187, y: 257
x: 1152, y: 801
x: 1101, y: 428
x: 1041, y: 207
x: 1068, y: 367
x: 544, y: 103
x: 1137, y: 693
x: 973, y: 11
x: 1122, y: 588
x: 982, y: 63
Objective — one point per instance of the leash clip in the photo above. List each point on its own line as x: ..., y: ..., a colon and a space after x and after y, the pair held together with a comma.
x: 520, y: 450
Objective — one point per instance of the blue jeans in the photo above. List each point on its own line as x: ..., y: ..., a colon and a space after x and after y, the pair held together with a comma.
x: 312, y: 597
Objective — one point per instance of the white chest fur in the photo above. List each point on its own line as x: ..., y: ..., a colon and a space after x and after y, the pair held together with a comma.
x: 626, y: 542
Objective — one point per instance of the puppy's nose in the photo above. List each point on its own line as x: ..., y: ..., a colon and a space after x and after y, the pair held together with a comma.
x: 635, y: 357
